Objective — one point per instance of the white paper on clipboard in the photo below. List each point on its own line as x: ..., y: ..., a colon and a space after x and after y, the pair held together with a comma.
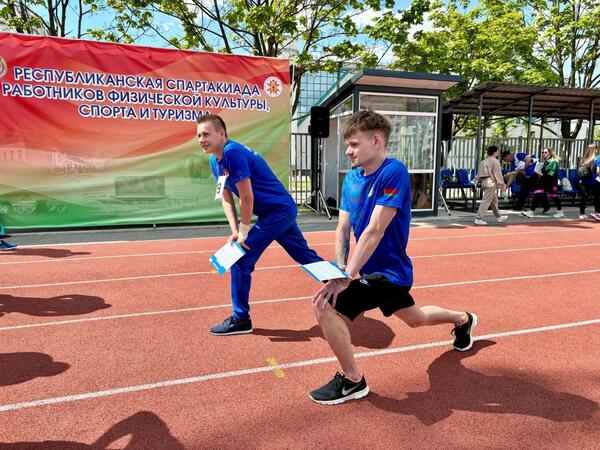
x: 325, y: 270
x: 226, y: 257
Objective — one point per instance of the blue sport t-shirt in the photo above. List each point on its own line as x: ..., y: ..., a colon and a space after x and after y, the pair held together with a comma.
x: 239, y: 162
x: 388, y: 186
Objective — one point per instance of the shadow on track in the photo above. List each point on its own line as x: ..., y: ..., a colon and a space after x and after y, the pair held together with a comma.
x: 16, y: 368
x: 452, y: 386
x: 144, y: 430
x: 364, y: 332
x: 61, y: 305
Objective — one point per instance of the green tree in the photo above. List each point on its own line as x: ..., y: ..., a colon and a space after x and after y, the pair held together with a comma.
x: 314, y: 34
x: 489, y: 42
x: 512, y: 41
x: 568, y: 42
x: 63, y: 18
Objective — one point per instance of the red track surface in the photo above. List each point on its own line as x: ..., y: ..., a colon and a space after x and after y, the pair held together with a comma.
x: 149, y: 375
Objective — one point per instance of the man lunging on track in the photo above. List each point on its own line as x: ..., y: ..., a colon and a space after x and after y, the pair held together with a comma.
x: 376, y: 205
x: 243, y: 172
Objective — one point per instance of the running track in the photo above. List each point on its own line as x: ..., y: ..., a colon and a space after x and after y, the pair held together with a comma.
x: 106, y: 346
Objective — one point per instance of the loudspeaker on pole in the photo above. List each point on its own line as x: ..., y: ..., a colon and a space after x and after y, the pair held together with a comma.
x: 319, y: 122
x: 446, y: 126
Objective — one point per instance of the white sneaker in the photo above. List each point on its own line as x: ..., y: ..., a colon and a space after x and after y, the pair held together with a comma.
x: 582, y: 217
x: 502, y: 219
x: 480, y: 222
x: 529, y: 214
x: 559, y: 214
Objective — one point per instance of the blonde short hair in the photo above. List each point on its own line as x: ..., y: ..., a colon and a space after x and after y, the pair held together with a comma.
x: 368, y: 120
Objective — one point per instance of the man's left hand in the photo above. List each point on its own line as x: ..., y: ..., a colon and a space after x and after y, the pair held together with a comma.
x: 331, y: 289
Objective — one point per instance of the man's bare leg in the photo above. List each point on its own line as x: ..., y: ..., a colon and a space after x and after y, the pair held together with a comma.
x: 337, y: 335
x: 416, y: 316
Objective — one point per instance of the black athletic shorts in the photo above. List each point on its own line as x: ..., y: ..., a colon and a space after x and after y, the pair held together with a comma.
x: 370, y: 292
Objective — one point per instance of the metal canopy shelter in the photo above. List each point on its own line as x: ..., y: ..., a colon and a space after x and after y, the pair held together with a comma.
x: 513, y: 100
x: 522, y: 100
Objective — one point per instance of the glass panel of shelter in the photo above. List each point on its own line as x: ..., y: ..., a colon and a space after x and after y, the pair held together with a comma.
x: 413, y: 137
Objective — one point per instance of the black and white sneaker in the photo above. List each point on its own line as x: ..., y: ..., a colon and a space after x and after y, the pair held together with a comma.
x: 231, y: 326
x: 339, y: 390
x: 463, y: 338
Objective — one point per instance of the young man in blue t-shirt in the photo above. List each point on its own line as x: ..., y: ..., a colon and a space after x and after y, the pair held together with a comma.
x: 243, y: 172
x: 376, y: 205
x: 517, y: 165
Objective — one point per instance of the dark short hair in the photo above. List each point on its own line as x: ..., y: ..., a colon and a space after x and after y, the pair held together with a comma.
x: 368, y: 120
x: 505, y: 153
x: 491, y: 150
x: 217, y: 122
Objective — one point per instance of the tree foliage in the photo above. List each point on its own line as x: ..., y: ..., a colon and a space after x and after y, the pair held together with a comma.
x: 489, y: 42
x: 314, y: 34
x: 568, y: 42
x: 63, y: 18
x: 511, y: 41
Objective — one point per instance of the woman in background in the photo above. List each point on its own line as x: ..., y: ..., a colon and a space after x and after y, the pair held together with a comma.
x: 589, y: 184
x: 548, y: 186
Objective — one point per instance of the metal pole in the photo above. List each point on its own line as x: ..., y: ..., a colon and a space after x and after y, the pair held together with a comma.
x: 591, y: 124
x: 485, y: 121
x: 478, y: 138
x: 315, y: 171
x: 529, y: 124
x: 541, y: 146
x: 478, y: 144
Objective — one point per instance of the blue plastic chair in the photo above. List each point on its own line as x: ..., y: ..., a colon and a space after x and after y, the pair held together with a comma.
x: 463, y: 178
x: 445, y: 179
x: 562, y: 173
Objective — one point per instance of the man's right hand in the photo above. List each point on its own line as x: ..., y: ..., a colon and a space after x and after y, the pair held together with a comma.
x: 233, y: 238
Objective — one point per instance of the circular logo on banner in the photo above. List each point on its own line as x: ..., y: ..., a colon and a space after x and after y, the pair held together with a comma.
x: 3, y: 67
x: 273, y: 87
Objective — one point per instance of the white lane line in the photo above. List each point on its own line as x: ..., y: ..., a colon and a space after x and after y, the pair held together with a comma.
x: 147, y: 313
x: 513, y: 233
x: 269, y: 368
x: 289, y: 299
x: 289, y: 266
x: 432, y: 238
x: 67, y: 259
x: 498, y: 280
x: 141, y: 277
x: 132, y: 255
x: 135, y: 255
x: 505, y: 250
x: 204, y: 238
